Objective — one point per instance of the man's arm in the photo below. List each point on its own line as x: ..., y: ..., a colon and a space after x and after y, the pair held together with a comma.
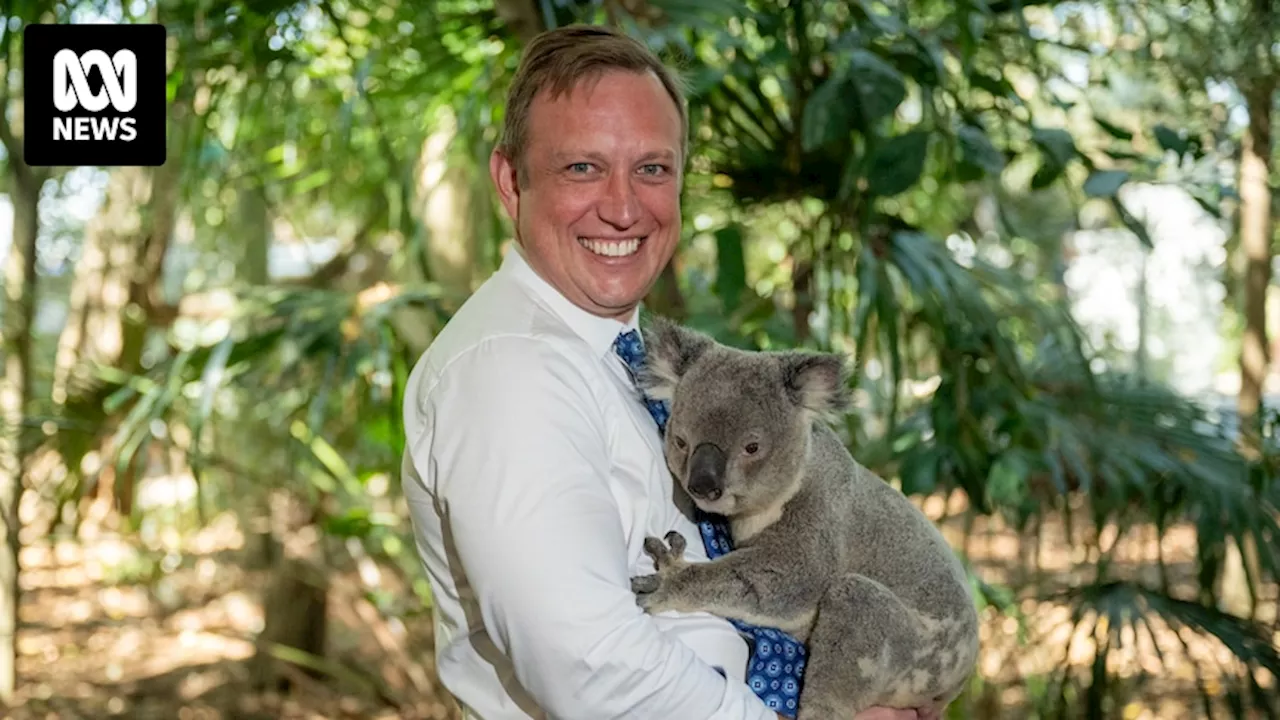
x: 520, y: 463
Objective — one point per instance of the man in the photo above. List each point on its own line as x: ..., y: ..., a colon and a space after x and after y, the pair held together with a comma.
x: 533, y: 471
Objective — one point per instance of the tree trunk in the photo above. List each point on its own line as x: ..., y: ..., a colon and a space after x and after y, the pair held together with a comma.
x: 445, y: 197
x: 115, y: 290
x: 115, y: 299
x: 295, y: 602
x: 94, y: 332
x: 802, y: 285
x: 1241, y: 564
x: 15, y: 392
x: 665, y: 297
x: 1255, y: 245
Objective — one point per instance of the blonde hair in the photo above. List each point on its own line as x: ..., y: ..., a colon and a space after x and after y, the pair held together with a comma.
x: 556, y: 60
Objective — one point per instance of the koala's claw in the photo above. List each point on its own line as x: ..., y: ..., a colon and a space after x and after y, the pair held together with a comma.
x: 668, y: 554
x: 676, y: 541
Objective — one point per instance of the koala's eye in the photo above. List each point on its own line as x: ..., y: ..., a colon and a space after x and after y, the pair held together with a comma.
x: 752, y: 447
x: 680, y: 443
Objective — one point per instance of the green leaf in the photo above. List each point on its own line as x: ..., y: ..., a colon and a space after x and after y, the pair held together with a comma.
x: 1135, y: 226
x: 353, y: 523
x: 311, y: 181
x: 976, y: 148
x: 1105, y: 183
x: 703, y: 79
x: 879, y: 87
x: 327, y: 456
x: 1056, y: 143
x: 1211, y: 207
x: 828, y: 116
x: 1169, y: 138
x: 886, y: 24
x: 1006, y: 483
x: 1058, y: 150
x: 1113, y: 130
x: 731, y: 268
x: 998, y: 86
x: 897, y: 163
x: 918, y: 60
x: 919, y: 472
x: 1048, y: 172
x: 1123, y: 155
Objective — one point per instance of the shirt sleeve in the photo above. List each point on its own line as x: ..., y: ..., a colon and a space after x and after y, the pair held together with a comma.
x: 519, y: 459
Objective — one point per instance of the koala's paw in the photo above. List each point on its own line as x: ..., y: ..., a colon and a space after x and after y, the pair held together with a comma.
x: 667, y: 556
x: 653, y: 591
x: 652, y: 594
x: 644, y: 584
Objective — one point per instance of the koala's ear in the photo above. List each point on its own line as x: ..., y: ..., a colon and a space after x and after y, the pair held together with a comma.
x: 817, y: 382
x: 669, y: 352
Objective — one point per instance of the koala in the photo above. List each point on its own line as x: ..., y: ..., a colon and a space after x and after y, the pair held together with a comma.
x: 824, y: 549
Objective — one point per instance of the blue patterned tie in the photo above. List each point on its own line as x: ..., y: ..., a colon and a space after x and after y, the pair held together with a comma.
x: 777, y: 659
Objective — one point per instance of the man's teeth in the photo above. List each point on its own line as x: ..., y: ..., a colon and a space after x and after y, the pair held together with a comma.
x: 611, y: 248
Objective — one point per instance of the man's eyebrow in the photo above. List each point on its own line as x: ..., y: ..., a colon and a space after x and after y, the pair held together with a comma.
x: 667, y: 155
x: 565, y: 156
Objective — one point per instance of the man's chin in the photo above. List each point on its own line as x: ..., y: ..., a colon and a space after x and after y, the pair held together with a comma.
x: 615, y: 300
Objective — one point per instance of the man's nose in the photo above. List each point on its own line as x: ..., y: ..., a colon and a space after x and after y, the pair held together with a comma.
x: 706, y: 472
x: 619, y: 206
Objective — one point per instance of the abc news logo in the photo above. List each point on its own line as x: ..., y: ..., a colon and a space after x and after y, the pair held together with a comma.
x: 95, y: 95
x: 71, y: 90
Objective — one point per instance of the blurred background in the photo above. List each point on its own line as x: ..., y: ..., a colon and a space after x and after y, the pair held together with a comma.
x: 1043, y: 229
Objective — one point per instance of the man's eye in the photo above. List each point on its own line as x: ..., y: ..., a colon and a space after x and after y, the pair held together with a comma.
x: 580, y: 167
x: 653, y: 169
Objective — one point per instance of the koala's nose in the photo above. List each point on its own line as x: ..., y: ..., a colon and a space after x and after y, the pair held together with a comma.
x: 706, y: 472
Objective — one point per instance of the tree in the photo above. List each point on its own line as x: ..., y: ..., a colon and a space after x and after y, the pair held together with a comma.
x: 25, y: 185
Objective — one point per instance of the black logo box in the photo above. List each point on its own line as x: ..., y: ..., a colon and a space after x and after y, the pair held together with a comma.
x: 40, y: 42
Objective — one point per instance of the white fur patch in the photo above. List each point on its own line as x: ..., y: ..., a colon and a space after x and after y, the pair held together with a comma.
x: 660, y: 378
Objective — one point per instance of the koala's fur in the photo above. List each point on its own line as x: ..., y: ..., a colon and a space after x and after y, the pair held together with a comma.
x: 824, y: 549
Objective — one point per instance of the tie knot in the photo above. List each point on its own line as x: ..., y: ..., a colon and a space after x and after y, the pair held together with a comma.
x: 630, y: 348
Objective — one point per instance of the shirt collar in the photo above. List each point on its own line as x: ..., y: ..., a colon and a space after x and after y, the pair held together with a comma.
x: 598, y: 332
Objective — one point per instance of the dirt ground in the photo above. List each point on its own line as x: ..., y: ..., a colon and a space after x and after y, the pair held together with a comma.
x: 98, y: 641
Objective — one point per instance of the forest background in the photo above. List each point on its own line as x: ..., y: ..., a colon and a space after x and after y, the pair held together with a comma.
x: 1045, y: 231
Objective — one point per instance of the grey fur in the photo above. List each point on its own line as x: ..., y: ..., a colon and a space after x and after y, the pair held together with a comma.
x: 824, y: 549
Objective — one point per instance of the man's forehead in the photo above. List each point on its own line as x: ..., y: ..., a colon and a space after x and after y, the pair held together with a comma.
x: 587, y: 84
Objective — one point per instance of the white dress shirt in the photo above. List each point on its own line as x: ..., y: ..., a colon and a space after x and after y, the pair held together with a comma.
x: 533, y: 474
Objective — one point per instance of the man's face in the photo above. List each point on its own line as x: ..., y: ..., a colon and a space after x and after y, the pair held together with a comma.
x: 600, y: 214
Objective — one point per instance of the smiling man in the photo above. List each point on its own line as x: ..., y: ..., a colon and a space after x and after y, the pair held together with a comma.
x: 533, y: 471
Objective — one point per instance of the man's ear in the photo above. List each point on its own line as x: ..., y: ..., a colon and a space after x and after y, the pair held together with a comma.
x: 506, y: 180
x: 817, y: 382
x: 669, y: 352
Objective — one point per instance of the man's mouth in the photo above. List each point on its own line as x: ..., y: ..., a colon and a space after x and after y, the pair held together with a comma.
x: 612, y: 247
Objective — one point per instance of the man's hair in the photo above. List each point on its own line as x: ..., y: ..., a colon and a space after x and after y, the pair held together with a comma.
x: 556, y: 60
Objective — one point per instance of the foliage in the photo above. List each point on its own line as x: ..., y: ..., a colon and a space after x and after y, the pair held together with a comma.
x: 869, y: 178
